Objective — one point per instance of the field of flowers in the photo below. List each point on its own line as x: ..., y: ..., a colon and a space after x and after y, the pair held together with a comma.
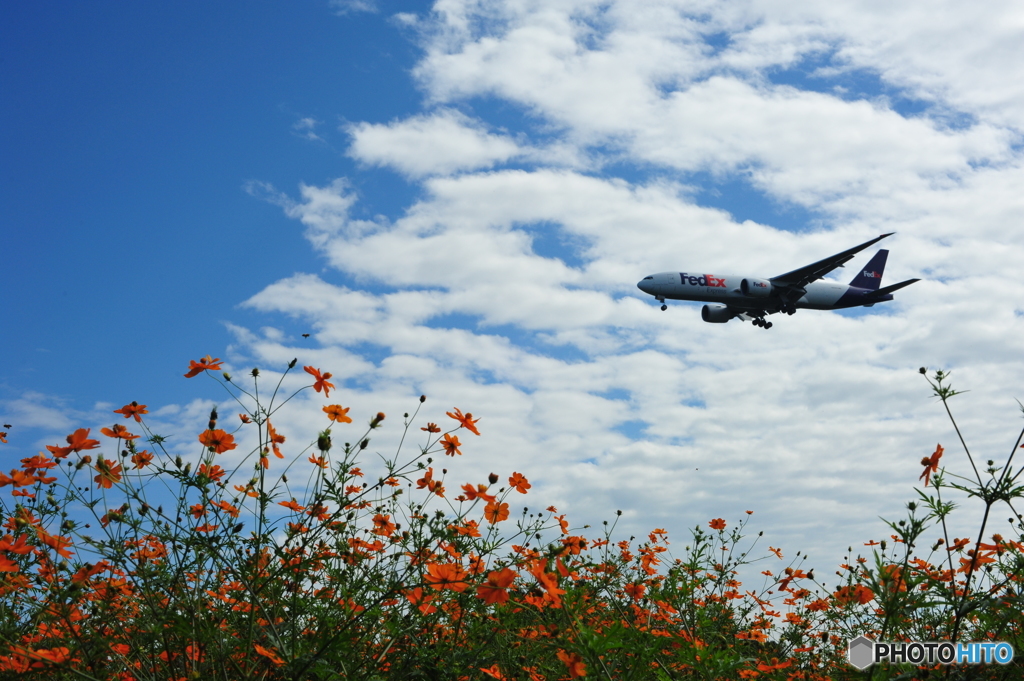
x: 414, y: 574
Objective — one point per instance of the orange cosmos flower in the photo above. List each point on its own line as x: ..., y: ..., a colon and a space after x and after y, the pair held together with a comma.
x: 635, y: 591
x: 494, y: 672
x: 382, y: 525
x: 858, y: 593
x: 214, y: 473
x: 465, y: 420
x: 244, y: 418
x: 451, y: 445
x: 275, y: 439
x: 971, y: 564
x: 480, y: 491
x: 119, y: 432
x: 470, y: 528
x: 269, y: 654
x: 321, y: 381
x: 142, y: 459
x: 427, y: 478
x: 431, y: 428
x: 892, y: 577
x: 294, y: 505
x: 574, y: 662
x: 109, y: 473
x: 3, y: 436
x: 133, y: 409
x: 431, y: 485
x: 337, y: 413
x: 217, y: 440
x: 717, y: 524
x: 206, y: 363
x: 494, y: 590
x: 775, y: 665
x: 519, y: 482
x: 422, y: 602
x: 225, y: 506
x: 931, y: 464
x: 37, y: 462
x: 58, y: 544
x: 77, y: 441
x: 248, y: 490
x: 495, y: 512
x: 446, y: 576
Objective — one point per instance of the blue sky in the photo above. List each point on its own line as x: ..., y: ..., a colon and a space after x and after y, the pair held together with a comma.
x: 459, y: 202
x: 129, y: 134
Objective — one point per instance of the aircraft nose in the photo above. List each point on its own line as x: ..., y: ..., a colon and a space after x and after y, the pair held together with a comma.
x: 645, y: 284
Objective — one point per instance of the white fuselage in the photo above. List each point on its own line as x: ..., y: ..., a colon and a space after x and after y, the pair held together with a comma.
x: 726, y: 289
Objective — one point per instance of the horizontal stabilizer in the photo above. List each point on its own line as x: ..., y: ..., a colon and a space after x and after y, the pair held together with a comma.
x: 894, y: 287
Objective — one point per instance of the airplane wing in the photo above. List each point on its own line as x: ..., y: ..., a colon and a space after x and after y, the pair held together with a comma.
x: 799, y: 278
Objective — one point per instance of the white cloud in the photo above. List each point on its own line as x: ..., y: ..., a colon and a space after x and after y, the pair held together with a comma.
x: 306, y: 128
x: 343, y: 7
x: 436, y: 144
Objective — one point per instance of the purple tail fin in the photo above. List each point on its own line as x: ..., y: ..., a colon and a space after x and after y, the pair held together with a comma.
x: 871, y: 276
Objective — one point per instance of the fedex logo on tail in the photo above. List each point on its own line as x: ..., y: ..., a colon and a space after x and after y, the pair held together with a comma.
x: 871, y: 275
x: 703, y: 280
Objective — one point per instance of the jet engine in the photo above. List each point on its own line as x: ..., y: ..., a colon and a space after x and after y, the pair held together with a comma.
x: 756, y: 288
x: 715, y: 314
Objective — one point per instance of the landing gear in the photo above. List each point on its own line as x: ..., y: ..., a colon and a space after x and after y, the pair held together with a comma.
x: 661, y: 299
x: 759, y: 321
x: 664, y: 307
x: 787, y: 308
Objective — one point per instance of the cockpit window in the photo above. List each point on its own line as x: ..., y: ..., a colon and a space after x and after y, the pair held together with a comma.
x: 646, y: 278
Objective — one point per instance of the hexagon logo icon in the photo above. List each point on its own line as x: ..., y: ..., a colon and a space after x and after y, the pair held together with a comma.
x: 862, y: 652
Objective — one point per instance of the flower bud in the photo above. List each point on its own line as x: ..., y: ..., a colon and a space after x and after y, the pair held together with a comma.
x: 291, y: 364
x: 423, y: 398
x: 492, y: 478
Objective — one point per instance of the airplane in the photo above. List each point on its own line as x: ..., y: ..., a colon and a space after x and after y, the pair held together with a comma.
x: 749, y: 298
